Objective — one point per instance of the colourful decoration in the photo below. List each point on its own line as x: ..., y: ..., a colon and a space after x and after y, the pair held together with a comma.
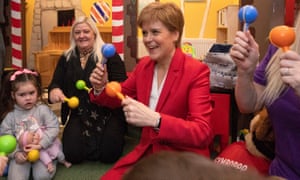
x: 188, y: 48
x: 100, y: 12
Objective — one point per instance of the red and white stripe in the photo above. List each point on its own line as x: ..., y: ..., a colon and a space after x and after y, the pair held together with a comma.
x: 16, y: 33
x: 118, y: 26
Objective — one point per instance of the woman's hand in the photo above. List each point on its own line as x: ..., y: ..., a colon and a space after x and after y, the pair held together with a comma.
x: 138, y: 114
x: 290, y: 70
x: 98, y: 77
x: 20, y: 157
x: 56, y: 95
x: 245, y: 53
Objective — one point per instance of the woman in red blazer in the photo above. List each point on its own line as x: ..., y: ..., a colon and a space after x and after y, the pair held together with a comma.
x: 167, y: 94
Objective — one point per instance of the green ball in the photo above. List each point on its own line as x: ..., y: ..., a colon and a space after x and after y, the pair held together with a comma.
x: 8, y: 144
x: 80, y: 84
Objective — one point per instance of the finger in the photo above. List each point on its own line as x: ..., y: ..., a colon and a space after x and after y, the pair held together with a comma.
x: 285, y: 71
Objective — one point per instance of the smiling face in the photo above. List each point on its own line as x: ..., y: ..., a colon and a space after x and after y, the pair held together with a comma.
x: 26, y: 95
x: 84, y: 36
x: 159, y: 41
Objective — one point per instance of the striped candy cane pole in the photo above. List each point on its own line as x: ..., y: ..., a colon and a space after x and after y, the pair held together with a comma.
x: 117, y: 26
x: 16, y: 33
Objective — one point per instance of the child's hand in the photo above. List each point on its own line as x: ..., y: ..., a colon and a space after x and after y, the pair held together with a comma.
x: 30, y: 147
x: 20, y: 157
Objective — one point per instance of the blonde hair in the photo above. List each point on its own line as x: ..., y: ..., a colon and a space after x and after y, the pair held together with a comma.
x: 98, y: 40
x: 275, y: 85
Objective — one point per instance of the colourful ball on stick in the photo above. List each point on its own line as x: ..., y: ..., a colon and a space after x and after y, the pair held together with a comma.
x: 113, y: 89
x: 282, y: 36
x: 108, y: 50
x: 81, y: 85
x: 248, y: 14
x: 73, y: 102
x: 33, y: 155
x: 8, y: 144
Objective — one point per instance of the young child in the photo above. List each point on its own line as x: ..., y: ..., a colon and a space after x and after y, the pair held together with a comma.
x: 46, y: 155
x: 23, y: 109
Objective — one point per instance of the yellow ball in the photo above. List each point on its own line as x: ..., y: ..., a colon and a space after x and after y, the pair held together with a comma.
x: 73, y: 102
x: 33, y: 155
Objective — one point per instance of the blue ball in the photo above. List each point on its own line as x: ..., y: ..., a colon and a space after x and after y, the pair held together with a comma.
x: 248, y: 14
x: 108, y: 50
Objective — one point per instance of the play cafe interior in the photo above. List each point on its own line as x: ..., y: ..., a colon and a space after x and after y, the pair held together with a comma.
x: 42, y: 30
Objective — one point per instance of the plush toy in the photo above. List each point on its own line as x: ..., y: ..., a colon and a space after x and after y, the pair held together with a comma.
x: 260, y: 140
x: 257, y: 149
x: 189, y: 49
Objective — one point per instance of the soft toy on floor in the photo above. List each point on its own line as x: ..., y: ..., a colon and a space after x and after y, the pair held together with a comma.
x: 256, y: 151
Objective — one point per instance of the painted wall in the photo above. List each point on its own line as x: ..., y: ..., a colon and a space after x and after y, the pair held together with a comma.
x: 200, y: 17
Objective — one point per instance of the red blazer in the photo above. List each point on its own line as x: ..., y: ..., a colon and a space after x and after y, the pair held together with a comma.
x: 184, y: 106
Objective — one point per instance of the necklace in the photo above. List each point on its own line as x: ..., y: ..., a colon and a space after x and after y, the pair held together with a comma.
x: 84, y: 54
x: 83, y: 60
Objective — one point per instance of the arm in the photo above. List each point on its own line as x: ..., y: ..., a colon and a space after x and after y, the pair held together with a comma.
x: 245, y: 54
x: 184, y: 105
x: 113, y: 70
x: 290, y: 62
x: 247, y: 93
x: 8, y: 127
x: 48, y: 120
x: 3, y: 163
x: 55, y: 92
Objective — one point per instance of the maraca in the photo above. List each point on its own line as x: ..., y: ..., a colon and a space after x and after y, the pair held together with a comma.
x: 282, y: 36
x: 33, y: 155
x: 8, y: 144
x: 113, y: 89
x: 80, y: 84
x: 108, y: 50
x: 73, y: 102
x: 248, y: 15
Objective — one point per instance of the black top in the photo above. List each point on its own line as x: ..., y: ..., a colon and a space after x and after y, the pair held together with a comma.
x: 67, y: 73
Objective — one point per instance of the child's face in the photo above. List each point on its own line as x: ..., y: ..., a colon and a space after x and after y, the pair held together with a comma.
x: 26, y: 96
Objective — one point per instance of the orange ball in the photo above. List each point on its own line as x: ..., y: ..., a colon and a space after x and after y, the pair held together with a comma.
x: 282, y: 36
x: 112, y: 88
x: 73, y: 102
x: 33, y: 155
